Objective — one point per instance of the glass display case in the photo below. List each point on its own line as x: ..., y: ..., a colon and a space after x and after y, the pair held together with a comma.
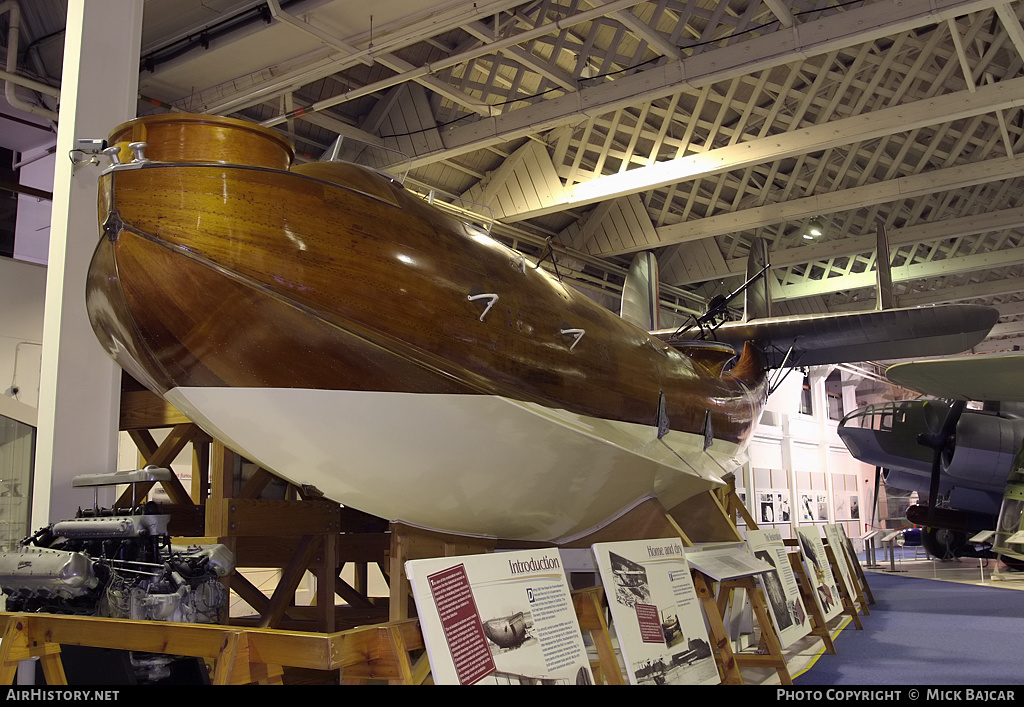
x: 17, y: 463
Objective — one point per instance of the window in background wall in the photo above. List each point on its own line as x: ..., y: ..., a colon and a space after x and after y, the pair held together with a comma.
x: 805, y: 398
x: 834, y: 395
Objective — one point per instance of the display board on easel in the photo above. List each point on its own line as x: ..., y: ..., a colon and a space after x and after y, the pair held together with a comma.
x: 499, y: 619
x: 819, y: 572
x: 788, y: 613
x: 656, y: 612
x: 837, y: 541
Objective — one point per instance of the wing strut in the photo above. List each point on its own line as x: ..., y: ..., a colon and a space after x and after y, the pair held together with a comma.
x: 780, y: 376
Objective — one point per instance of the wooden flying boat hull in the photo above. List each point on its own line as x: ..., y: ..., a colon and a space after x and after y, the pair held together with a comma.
x: 336, y: 329
x: 340, y: 331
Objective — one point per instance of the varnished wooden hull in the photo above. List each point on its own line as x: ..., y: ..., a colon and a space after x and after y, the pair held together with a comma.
x: 324, y: 325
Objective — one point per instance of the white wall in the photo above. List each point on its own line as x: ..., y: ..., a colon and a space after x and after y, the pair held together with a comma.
x: 32, y: 232
x: 22, y: 290
x: 793, y: 457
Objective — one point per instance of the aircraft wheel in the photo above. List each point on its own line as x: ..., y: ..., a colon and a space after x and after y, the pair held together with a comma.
x: 943, y: 543
x: 1012, y: 563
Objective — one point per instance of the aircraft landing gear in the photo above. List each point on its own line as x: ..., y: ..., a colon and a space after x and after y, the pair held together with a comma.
x: 943, y: 543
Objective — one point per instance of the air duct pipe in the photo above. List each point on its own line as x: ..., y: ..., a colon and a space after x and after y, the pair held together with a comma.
x: 10, y: 76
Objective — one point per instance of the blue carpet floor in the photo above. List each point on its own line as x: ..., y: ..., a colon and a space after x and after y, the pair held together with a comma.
x: 927, y: 632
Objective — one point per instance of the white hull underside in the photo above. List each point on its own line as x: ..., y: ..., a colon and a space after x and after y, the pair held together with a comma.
x: 467, y: 464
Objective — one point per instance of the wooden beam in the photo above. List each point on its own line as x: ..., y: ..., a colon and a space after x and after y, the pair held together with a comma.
x: 291, y: 575
x: 160, y: 456
x: 386, y: 646
x: 222, y: 464
x: 779, y: 48
x: 272, y: 518
x: 845, y: 131
x: 905, y: 273
x: 142, y: 409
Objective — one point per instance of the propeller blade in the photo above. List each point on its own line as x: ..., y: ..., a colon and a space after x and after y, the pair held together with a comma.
x: 933, y: 488
x: 938, y: 441
x: 874, y: 506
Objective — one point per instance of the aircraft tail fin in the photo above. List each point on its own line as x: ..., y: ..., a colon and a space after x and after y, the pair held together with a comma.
x: 640, y: 293
x: 886, y: 296
x: 758, y: 296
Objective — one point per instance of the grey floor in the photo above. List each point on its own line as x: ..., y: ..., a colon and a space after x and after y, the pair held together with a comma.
x: 908, y: 562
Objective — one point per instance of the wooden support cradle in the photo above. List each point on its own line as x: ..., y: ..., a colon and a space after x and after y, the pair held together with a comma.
x: 239, y: 655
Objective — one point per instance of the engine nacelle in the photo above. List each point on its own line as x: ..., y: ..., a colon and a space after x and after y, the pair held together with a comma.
x: 911, y: 481
x: 985, y: 449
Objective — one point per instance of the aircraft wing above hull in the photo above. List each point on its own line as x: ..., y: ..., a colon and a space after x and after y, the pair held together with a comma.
x: 860, y: 336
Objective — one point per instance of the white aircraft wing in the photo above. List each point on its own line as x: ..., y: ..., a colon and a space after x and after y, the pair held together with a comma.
x: 985, y: 377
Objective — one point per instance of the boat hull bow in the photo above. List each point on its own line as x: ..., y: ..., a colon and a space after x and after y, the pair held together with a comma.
x: 334, y: 328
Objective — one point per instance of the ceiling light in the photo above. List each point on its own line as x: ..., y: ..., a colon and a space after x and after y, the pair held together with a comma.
x: 815, y: 227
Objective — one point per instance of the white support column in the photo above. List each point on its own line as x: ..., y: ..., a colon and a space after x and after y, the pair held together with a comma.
x: 791, y: 477
x: 80, y: 384
x: 817, y: 376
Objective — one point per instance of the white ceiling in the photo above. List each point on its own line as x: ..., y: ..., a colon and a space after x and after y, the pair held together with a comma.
x: 683, y: 126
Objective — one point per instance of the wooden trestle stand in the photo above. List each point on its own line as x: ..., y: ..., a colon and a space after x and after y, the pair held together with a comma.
x: 305, y: 532
x: 239, y: 656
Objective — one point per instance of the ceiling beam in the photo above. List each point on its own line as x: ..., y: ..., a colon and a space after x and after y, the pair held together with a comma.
x: 960, y: 293
x: 780, y: 10
x: 999, y: 345
x: 845, y: 131
x: 456, y: 59
x: 909, y: 187
x: 1008, y: 329
x: 314, y: 66
x: 904, y: 273
x: 1010, y: 309
x: 975, y: 290
x: 648, y: 34
x: 1012, y: 26
x: 532, y: 62
x: 864, y: 245
x: 863, y: 24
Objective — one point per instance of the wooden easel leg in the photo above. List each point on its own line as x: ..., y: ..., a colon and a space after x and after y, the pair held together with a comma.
x: 768, y: 634
x: 863, y: 578
x: 421, y: 670
x: 819, y: 625
x: 53, y: 668
x: 590, y: 613
x: 726, y: 659
x: 773, y: 657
